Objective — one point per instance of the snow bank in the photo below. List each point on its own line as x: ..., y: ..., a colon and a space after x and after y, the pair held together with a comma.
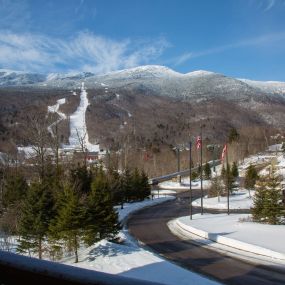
x: 238, y: 200
x: 133, y: 207
x: 184, y: 185
x: 228, y: 230
x: 129, y: 260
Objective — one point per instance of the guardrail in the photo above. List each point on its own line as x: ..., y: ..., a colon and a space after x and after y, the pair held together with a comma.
x: 156, y: 180
x: 19, y: 269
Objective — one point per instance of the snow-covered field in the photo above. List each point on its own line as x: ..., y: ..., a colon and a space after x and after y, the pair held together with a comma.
x: 236, y: 232
x: 238, y: 200
x: 130, y: 260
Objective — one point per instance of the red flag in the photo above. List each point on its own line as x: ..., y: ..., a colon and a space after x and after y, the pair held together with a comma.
x: 198, y: 142
x: 224, y: 152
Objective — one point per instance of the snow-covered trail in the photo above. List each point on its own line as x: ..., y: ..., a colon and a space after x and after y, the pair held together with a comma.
x: 78, y: 129
x: 55, y: 109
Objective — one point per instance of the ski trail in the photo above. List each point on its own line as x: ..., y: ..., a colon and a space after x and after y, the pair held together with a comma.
x: 55, y: 109
x: 78, y: 129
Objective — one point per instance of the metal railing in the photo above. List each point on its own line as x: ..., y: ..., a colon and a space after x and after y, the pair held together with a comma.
x: 18, y: 269
x: 156, y: 180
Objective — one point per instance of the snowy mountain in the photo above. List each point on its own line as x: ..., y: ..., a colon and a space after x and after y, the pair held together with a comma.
x: 274, y: 87
x: 154, y: 79
x: 19, y: 78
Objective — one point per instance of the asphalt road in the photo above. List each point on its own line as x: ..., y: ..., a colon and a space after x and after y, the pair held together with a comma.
x: 150, y: 226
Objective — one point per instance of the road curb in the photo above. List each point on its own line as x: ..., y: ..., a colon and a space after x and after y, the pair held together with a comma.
x: 230, y: 242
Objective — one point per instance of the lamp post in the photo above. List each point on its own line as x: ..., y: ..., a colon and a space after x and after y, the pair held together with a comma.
x: 190, y: 177
x: 201, y: 166
x: 179, y: 148
x: 213, y: 149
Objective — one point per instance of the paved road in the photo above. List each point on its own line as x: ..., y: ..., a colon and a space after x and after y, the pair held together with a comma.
x: 149, y: 226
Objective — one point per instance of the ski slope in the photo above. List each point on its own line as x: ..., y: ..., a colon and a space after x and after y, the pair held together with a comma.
x: 78, y: 129
x: 55, y: 109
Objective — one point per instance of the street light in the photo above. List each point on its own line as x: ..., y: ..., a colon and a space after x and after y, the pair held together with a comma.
x: 178, y: 148
x: 190, y: 176
x: 213, y: 149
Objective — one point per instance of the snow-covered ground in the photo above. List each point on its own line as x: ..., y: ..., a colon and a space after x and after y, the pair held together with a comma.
x: 184, y: 185
x: 235, y: 232
x: 55, y: 109
x: 78, y: 129
x: 130, y: 260
x: 238, y: 200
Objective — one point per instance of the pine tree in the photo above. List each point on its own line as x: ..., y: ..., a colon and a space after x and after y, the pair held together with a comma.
x: 259, y: 198
x: 146, y: 189
x: 35, y: 219
x: 81, y: 178
x: 207, y: 171
x: 216, y: 188
x: 268, y: 207
x: 234, y: 170
x: 136, y: 187
x: 69, y: 222
x: 101, y: 220
x: 233, y: 135
x: 126, y: 184
x: 15, y: 190
x: 273, y: 206
x: 227, y: 178
x: 250, y: 178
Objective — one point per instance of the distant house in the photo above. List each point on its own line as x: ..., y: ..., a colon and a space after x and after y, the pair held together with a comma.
x: 92, y: 157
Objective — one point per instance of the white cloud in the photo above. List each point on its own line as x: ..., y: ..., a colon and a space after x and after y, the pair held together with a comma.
x: 255, y: 41
x: 269, y: 5
x: 83, y: 52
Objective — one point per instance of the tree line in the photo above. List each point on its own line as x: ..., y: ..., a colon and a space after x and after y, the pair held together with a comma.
x: 64, y: 209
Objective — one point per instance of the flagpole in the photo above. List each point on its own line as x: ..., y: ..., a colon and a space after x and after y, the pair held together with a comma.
x: 201, y: 165
x: 190, y: 177
x: 228, y: 173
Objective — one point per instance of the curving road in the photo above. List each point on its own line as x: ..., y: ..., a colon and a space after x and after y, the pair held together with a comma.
x: 150, y: 226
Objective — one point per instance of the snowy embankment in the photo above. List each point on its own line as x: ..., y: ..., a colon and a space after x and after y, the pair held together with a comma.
x: 238, y: 200
x: 234, y: 232
x: 55, y: 109
x: 78, y: 129
x: 130, y: 260
x: 184, y: 185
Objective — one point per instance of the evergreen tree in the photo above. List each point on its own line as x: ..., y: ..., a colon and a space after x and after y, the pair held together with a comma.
x: 126, y: 184
x: 259, y: 198
x: 234, y: 170
x: 250, y: 178
x: 15, y: 190
x: 146, y: 189
x: 69, y: 222
x: 35, y: 219
x: 207, y: 171
x: 194, y: 175
x: 101, y: 219
x: 273, y: 207
x: 267, y: 206
x: 136, y: 186
x: 227, y: 178
x: 233, y: 135
x: 81, y: 177
x: 216, y: 188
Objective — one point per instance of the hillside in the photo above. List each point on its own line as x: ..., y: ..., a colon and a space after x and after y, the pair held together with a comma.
x: 149, y: 107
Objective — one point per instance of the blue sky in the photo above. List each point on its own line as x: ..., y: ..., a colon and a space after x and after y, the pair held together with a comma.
x: 240, y: 38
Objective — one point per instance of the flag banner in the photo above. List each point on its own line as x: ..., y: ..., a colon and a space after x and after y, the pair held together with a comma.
x: 198, y: 142
x: 224, y: 152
